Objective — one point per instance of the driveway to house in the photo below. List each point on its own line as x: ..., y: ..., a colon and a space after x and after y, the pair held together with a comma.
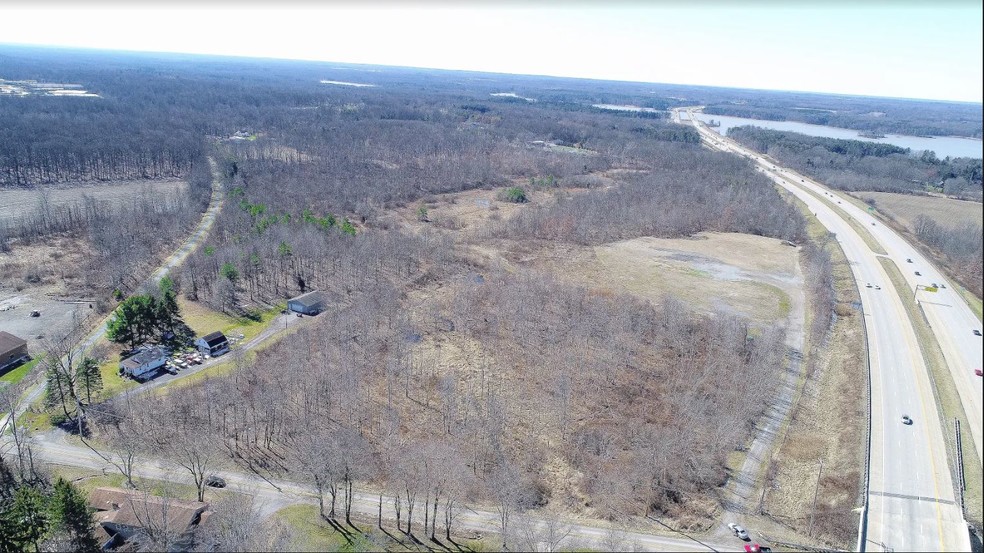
x: 187, y: 247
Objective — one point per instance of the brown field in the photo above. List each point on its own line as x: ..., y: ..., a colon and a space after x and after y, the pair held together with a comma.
x: 905, y: 208
x: 40, y: 276
x: 738, y: 273
x: 19, y: 202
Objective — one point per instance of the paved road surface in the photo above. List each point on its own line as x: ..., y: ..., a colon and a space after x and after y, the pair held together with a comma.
x: 911, y: 504
x: 272, y: 495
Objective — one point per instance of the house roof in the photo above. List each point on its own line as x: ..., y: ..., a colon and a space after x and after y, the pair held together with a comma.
x: 108, y: 499
x: 311, y: 298
x: 137, y: 509
x: 144, y: 356
x: 9, y: 342
x: 214, y: 338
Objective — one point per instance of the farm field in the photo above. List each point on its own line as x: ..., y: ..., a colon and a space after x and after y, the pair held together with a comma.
x: 18, y: 203
x: 905, y: 208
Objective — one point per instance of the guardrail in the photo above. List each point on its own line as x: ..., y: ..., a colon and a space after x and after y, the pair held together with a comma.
x: 863, y: 523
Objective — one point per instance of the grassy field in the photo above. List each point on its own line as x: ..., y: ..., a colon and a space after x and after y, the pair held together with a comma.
x: 751, y: 275
x: 948, y: 401
x: 204, y: 320
x: 905, y: 208
x: 16, y: 375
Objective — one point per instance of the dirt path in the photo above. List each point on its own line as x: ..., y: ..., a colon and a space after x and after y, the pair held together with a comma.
x: 188, y: 246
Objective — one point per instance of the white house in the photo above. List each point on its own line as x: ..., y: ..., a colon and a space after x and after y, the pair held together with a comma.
x: 144, y: 362
x: 213, y: 345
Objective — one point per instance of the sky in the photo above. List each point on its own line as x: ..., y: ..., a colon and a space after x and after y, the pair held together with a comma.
x: 904, y: 49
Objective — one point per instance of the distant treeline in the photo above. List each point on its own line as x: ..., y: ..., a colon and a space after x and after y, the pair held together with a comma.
x: 863, y: 165
x: 879, y: 115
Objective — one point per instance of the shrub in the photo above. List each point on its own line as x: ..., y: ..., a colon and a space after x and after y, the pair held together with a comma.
x: 514, y: 194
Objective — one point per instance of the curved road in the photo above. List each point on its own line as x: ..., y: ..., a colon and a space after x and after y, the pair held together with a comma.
x: 272, y: 495
x: 911, y: 504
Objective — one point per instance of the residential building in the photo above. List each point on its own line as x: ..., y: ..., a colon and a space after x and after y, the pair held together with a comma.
x: 213, y: 345
x: 145, y: 362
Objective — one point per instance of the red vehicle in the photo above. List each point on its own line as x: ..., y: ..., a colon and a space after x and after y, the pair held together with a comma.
x: 978, y: 372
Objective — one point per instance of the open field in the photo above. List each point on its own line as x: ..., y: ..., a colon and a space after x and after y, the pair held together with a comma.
x: 905, y: 208
x: 19, y: 202
x: 737, y: 273
x: 204, y: 320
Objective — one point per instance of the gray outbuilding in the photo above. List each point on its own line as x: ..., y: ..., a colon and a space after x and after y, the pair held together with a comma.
x: 311, y: 303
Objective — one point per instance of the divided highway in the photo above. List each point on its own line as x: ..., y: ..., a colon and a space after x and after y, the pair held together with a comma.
x: 911, y: 504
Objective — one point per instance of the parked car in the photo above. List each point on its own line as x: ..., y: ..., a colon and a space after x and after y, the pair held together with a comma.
x: 877, y: 287
x: 215, y: 482
x: 35, y: 313
x: 978, y: 372
x: 170, y: 369
x: 756, y: 548
x: 906, y: 419
x: 868, y: 285
x: 918, y: 273
x: 738, y: 530
x: 977, y: 332
x: 908, y: 260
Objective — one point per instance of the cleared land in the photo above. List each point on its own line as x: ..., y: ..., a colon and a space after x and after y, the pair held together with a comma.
x: 17, y: 203
x: 40, y: 277
x: 905, y: 208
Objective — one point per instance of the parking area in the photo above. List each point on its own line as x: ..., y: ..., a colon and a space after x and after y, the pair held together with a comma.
x: 56, y: 317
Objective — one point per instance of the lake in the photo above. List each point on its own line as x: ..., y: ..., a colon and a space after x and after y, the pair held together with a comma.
x: 943, y: 145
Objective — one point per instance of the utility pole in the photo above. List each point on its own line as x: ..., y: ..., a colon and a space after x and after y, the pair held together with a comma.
x: 816, y: 490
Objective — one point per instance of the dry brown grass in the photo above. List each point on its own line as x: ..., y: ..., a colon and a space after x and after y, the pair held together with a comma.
x: 904, y: 208
x: 828, y: 423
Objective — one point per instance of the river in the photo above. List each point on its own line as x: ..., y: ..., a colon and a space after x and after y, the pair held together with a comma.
x: 944, y: 146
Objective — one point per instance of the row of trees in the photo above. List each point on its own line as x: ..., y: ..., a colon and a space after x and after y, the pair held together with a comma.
x: 861, y: 165
x: 880, y: 115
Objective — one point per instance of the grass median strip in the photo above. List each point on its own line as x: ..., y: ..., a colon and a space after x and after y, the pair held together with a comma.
x: 869, y: 240
x: 947, y: 397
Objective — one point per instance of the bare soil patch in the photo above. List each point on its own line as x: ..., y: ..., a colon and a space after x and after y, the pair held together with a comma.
x: 749, y: 275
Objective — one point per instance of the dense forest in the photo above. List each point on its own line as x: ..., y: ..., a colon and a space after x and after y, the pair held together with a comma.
x: 877, y: 115
x: 438, y: 374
